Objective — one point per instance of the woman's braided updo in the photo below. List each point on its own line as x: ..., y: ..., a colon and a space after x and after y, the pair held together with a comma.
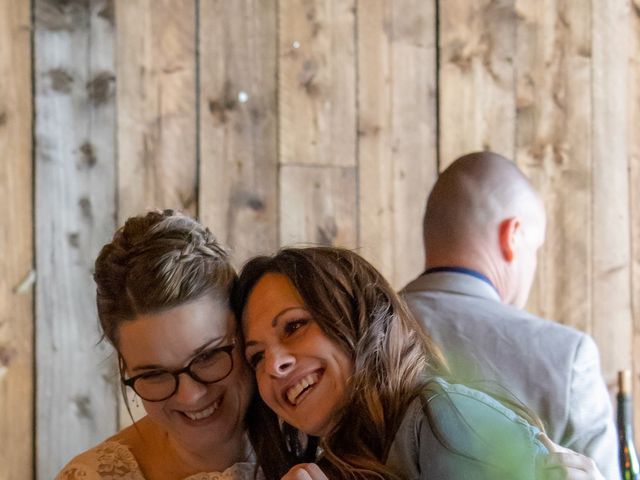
x: 155, y: 262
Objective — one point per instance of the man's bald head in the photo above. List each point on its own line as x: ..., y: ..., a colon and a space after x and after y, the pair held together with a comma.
x: 468, y: 206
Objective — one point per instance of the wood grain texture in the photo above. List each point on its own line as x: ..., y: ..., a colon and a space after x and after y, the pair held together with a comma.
x: 238, y: 181
x: 75, y: 210
x: 317, y: 82
x: 611, y: 248
x: 317, y: 205
x: 397, y: 131
x: 633, y: 95
x: 477, y: 102
x: 156, y: 125
x: 554, y: 117
x: 156, y: 68
x: 16, y: 243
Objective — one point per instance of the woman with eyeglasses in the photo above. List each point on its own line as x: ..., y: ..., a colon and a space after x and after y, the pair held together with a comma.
x: 163, y: 286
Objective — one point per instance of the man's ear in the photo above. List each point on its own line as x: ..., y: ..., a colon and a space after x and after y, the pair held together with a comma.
x: 508, y: 233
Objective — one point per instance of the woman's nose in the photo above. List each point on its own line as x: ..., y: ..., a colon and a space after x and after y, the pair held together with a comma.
x: 189, y: 390
x: 279, y: 362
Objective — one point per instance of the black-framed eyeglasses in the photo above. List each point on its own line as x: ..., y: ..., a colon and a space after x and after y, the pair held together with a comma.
x: 210, y: 366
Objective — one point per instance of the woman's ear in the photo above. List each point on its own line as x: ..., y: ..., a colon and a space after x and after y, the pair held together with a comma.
x: 509, y: 231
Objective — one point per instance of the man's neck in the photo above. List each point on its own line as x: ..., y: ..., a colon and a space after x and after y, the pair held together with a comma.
x: 462, y: 270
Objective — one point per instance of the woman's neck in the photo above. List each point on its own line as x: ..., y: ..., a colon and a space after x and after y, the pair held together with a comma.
x: 211, y: 458
x: 161, y: 456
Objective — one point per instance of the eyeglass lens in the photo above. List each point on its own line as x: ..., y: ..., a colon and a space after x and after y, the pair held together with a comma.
x: 210, y: 366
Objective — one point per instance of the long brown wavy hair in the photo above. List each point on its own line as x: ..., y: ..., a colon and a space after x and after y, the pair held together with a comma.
x: 393, y: 360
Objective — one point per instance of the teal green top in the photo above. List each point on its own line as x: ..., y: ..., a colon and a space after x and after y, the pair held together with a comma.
x: 478, y: 438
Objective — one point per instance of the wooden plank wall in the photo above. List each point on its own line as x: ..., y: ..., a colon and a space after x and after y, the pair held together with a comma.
x: 17, y: 385
x: 283, y: 121
x: 74, y: 215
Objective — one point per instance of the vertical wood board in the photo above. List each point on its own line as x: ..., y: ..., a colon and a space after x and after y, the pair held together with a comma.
x: 317, y: 82
x: 156, y: 126
x: 477, y: 104
x: 611, y: 230
x: 318, y: 206
x: 553, y: 86
x: 16, y: 243
x: 633, y: 102
x: 375, y: 158
x: 397, y: 132
x: 414, y: 137
x: 74, y: 86
x: 238, y: 182
x: 156, y: 67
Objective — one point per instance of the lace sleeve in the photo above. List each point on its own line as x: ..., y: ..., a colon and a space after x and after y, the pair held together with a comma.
x: 107, y: 461
x: 75, y: 471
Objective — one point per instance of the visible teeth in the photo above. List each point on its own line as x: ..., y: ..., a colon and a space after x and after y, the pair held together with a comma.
x: 298, y: 388
x: 207, y: 412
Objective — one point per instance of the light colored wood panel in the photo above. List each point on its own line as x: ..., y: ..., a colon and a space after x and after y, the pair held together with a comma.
x: 156, y: 127
x: 155, y: 51
x: 317, y: 95
x: 414, y: 130
x: 318, y: 205
x: 633, y: 95
x: 477, y: 107
x: 16, y: 243
x: 74, y: 88
x: 611, y: 248
x: 397, y: 131
x: 553, y: 66
x: 238, y: 122
x: 375, y: 162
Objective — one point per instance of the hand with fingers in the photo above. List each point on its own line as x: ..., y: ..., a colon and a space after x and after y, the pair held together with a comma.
x: 305, y: 471
x: 565, y: 464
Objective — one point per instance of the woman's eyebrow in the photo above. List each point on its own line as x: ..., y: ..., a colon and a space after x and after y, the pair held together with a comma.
x: 198, y: 350
x: 274, y: 323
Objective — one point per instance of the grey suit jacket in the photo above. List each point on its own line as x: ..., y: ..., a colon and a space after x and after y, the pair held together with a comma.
x: 551, y: 368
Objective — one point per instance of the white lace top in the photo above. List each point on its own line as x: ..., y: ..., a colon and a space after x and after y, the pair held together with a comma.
x: 111, y: 460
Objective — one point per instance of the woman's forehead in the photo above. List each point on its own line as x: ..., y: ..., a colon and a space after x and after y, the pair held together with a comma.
x: 180, y: 329
x: 272, y: 293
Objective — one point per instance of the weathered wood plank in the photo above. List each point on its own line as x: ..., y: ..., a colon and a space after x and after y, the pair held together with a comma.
x: 317, y: 95
x: 633, y: 102
x: 238, y: 183
x: 477, y: 101
x: 156, y: 68
x: 553, y: 91
x: 75, y: 210
x: 611, y: 248
x: 157, y: 138
x: 16, y: 243
x: 318, y: 205
x: 397, y: 131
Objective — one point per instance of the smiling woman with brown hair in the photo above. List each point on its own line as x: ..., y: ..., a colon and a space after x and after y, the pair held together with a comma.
x: 338, y: 357
x: 163, y: 286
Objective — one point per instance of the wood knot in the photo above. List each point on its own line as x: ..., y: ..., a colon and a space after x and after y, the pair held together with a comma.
x: 100, y: 88
x: 61, y: 80
x: 108, y: 12
x: 88, y: 155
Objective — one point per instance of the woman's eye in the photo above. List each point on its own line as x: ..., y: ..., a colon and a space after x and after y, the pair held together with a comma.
x: 207, y: 355
x: 255, y: 359
x: 293, y: 325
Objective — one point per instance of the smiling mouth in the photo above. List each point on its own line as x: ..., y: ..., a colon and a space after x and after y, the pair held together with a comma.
x: 295, y: 393
x: 202, y: 414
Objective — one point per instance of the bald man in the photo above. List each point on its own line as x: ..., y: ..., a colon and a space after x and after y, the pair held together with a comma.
x: 483, y: 226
